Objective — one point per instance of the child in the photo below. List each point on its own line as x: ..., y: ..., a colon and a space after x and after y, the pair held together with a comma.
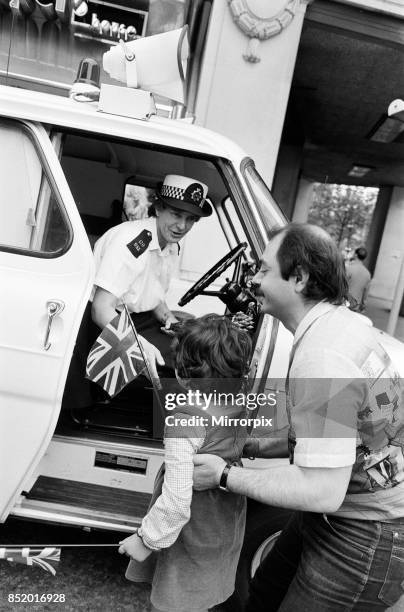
x: 198, y: 534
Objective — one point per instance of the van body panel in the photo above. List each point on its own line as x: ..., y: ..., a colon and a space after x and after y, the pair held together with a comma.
x: 49, y: 476
x: 35, y: 348
x: 67, y: 277
x: 64, y: 112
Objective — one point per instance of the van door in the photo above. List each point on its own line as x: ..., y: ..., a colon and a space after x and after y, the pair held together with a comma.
x: 46, y: 273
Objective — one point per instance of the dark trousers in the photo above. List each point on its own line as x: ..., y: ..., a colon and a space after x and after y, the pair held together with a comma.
x: 147, y: 326
x: 328, y: 564
x: 79, y: 391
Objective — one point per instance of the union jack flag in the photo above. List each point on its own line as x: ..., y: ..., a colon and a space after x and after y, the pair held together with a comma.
x: 115, y: 358
x: 42, y: 557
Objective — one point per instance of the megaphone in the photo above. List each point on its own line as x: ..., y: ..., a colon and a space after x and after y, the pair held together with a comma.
x: 157, y: 64
x: 396, y: 109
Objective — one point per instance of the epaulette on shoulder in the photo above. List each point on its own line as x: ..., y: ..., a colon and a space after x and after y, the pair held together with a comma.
x: 139, y: 245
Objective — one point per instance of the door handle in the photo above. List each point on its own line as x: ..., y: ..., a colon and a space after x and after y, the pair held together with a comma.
x: 54, y: 308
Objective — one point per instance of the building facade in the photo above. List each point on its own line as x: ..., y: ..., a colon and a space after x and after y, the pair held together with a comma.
x: 298, y: 84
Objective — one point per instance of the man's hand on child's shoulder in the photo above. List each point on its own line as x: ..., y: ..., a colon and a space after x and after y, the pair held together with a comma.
x: 207, y: 471
x: 133, y: 547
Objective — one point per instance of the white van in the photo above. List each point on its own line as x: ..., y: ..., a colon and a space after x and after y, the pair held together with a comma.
x: 62, y: 165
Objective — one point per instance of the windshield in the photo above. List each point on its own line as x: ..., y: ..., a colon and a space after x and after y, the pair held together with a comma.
x: 270, y: 213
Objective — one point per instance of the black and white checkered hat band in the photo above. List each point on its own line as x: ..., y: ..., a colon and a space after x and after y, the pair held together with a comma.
x: 176, y: 192
x: 172, y: 192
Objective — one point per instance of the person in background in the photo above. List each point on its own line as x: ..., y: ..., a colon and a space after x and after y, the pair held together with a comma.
x: 358, y: 280
x: 343, y: 548
x: 197, y: 536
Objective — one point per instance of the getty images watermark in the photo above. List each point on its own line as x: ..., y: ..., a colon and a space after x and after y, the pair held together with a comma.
x: 204, y: 400
x: 321, y: 407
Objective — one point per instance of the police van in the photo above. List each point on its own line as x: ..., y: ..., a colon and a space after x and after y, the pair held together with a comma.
x: 63, y: 164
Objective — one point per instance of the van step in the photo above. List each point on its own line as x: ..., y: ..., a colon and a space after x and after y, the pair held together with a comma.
x: 89, y: 496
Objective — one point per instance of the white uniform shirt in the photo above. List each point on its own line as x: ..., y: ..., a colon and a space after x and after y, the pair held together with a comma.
x: 141, y: 282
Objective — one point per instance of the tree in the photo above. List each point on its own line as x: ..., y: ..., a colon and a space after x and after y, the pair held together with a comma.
x: 345, y: 211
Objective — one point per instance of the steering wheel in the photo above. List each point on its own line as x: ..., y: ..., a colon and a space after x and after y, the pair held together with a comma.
x: 212, y: 274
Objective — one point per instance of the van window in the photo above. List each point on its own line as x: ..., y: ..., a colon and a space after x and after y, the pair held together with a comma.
x: 31, y: 219
x: 271, y: 214
x: 110, y: 179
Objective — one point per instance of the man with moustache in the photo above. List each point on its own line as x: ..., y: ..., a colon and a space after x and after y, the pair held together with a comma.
x: 343, y: 548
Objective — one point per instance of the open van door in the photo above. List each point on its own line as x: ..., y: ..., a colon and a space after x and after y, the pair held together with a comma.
x: 46, y: 273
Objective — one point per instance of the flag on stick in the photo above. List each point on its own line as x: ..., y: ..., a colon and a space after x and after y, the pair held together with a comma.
x: 116, y: 357
x: 42, y: 557
x: 154, y: 381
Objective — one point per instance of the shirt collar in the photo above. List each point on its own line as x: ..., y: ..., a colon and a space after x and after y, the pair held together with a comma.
x: 154, y: 243
x: 152, y: 227
x: 314, y: 313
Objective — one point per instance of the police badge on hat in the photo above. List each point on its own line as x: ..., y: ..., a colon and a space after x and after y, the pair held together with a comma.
x: 185, y: 194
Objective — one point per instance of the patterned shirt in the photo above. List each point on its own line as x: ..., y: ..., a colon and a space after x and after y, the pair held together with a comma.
x: 172, y: 510
x: 346, y: 409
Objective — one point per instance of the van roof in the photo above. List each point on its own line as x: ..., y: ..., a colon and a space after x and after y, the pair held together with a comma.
x: 64, y: 112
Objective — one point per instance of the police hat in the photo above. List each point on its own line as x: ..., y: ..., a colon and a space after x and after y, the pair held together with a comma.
x: 186, y: 194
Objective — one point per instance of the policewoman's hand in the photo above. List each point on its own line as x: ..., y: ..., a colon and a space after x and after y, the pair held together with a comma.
x: 243, y: 321
x: 153, y: 356
x: 169, y: 325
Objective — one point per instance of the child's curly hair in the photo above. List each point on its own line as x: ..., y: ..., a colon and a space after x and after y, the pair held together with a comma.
x: 212, y: 347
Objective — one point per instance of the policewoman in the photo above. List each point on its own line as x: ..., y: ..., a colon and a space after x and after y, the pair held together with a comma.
x: 135, y: 262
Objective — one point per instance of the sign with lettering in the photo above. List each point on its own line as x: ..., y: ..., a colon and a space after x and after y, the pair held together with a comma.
x: 109, y: 22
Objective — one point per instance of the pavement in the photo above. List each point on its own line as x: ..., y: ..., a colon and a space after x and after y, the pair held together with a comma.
x: 88, y: 578
x: 93, y: 580
x: 378, y: 310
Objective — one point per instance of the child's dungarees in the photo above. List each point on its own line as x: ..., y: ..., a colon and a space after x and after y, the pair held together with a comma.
x: 198, y: 570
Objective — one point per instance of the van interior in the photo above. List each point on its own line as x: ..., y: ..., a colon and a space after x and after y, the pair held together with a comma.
x: 113, y: 181
x: 98, y: 470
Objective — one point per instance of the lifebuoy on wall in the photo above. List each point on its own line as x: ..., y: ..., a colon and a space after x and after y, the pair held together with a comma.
x: 260, y: 28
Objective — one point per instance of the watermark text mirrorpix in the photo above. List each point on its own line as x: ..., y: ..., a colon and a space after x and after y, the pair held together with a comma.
x: 201, y: 400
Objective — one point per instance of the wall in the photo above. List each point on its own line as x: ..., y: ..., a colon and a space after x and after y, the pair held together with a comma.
x: 286, y: 179
x: 391, y: 249
x: 247, y: 101
x: 377, y: 226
